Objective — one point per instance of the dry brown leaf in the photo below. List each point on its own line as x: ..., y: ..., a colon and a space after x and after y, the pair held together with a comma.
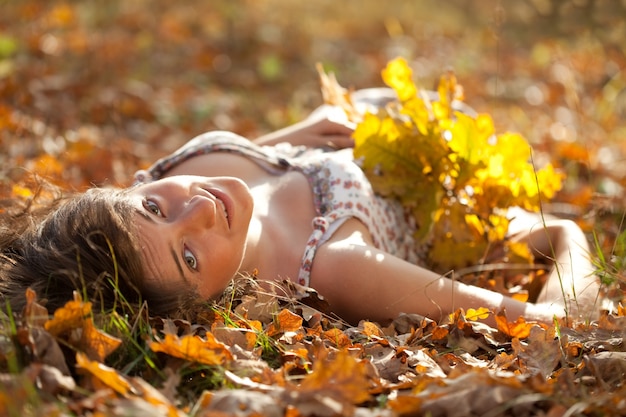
x: 35, y: 313
x: 342, y: 377
x: 371, y: 329
x: 337, y: 337
x: 285, y: 321
x: 192, y: 348
x: 46, y: 349
x: 541, y: 353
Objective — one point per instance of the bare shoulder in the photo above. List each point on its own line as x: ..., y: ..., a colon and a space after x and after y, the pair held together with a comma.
x: 217, y: 164
x: 341, y: 254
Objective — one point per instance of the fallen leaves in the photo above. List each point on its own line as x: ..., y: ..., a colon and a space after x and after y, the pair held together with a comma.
x: 318, y: 366
x: 75, y: 321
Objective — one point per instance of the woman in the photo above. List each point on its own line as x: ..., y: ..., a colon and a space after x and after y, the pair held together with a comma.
x: 280, y: 207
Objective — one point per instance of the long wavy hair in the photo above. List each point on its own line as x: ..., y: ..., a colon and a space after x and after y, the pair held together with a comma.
x: 82, y: 242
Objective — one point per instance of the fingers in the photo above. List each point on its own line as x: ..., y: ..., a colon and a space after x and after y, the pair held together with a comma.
x: 338, y: 141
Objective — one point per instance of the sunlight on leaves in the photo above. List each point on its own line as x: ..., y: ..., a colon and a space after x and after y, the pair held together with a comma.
x: 452, y: 171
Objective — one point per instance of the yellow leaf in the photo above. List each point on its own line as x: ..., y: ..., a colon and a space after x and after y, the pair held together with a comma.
x: 521, y: 251
x: 192, y: 348
x: 520, y: 296
x: 106, y: 375
x: 480, y: 313
x: 399, y: 76
x: 21, y: 192
x: 449, y: 170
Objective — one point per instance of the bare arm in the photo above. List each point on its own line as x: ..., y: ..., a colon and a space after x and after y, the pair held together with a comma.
x: 571, y: 281
x: 324, y: 128
x: 361, y: 281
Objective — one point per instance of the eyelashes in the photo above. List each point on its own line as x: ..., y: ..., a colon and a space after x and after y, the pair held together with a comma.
x: 188, y: 257
x: 152, y: 207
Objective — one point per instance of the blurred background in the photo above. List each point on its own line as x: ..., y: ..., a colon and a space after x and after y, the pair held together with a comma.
x: 92, y: 90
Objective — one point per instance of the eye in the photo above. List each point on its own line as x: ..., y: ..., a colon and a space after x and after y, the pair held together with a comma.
x: 190, y: 259
x: 152, y: 207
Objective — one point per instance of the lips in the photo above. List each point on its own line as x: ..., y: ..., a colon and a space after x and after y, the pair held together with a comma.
x: 225, y: 203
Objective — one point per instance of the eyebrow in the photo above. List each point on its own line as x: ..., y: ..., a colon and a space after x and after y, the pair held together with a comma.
x: 178, y: 265
x: 172, y: 251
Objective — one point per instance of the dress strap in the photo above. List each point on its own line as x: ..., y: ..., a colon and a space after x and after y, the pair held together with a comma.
x: 320, y: 226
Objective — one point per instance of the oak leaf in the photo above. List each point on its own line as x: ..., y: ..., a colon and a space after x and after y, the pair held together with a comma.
x: 450, y: 170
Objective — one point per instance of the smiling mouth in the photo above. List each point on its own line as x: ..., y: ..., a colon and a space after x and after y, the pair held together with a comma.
x: 224, y: 203
x: 223, y: 207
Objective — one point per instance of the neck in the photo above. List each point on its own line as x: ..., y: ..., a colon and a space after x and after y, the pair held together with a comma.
x: 253, y: 253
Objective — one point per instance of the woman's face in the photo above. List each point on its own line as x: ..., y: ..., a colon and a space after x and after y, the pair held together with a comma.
x: 192, y: 230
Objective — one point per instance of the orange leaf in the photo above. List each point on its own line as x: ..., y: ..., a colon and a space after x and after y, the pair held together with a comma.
x: 71, y: 316
x: 106, y: 375
x: 520, y: 328
x: 96, y: 343
x: 48, y: 166
x: 193, y: 348
x: 338, y: 337
x: 75, y: 316
x: 370, y: 329
x: 343, y: 377
x: 285, y: 321
x: 440, y: 333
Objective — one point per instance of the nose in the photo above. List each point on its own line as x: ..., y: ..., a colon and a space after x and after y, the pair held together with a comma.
x: 199, y: 213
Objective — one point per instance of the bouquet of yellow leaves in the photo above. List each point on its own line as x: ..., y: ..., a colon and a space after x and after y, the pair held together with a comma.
x: 450, y: 170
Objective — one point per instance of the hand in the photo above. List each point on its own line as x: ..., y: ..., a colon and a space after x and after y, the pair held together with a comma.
x: 326, y: 128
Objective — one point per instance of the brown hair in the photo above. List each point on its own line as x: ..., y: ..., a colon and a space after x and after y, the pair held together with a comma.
x: 83, y: 242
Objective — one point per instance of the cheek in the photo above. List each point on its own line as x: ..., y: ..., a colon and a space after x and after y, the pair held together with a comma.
x: 224, y: 265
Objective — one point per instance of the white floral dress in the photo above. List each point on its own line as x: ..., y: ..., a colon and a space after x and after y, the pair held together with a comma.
x: 340, y: 189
